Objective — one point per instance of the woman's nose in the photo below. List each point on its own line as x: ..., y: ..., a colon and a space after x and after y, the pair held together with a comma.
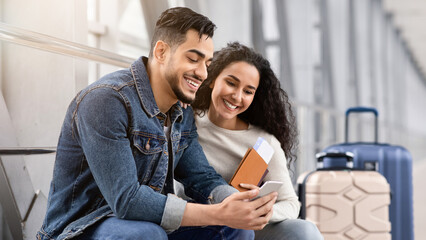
x: 236, y: 95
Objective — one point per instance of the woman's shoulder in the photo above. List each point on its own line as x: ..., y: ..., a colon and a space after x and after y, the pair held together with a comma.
x: 201, y: 119
x: 262, y: 133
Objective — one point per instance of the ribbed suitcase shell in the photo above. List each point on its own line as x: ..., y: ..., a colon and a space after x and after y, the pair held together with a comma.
x: 395, y: 164
x: 347, y: 204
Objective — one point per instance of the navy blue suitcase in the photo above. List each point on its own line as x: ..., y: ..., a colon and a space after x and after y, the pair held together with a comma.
x: 393, y: 162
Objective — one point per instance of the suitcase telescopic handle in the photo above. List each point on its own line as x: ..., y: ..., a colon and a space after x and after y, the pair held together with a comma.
x: 362, y: 110
x: 348, y: 155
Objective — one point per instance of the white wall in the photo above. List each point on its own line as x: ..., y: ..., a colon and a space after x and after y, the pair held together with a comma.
x: 302, y: 19
x: 230, y: 26
x: 38, y: 86
x: 415, y: 92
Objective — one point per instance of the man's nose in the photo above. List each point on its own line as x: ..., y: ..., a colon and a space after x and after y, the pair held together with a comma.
x: 201, y: 71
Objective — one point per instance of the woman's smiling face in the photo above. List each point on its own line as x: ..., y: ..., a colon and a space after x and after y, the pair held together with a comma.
x: 233, y: 92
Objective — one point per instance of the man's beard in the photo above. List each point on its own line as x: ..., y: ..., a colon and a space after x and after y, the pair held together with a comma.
x: 174, y: 84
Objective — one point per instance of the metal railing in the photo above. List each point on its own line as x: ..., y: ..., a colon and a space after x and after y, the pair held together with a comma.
x: 26, y: 151
x: 44, y: 42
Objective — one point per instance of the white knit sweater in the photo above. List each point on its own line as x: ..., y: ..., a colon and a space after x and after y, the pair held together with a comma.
x: 225, y: 148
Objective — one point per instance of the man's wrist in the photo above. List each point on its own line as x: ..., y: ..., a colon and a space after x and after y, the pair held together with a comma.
x: 215, y: 214
x: 201, y: 215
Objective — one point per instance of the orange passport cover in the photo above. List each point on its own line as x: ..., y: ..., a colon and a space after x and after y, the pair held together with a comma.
x: 250, y: 170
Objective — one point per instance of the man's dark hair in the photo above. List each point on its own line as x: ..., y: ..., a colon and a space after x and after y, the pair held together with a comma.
x: 172, y: 25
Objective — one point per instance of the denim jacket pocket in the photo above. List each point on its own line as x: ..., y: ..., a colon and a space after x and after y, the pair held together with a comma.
x: 147, y: 147
x: 148, y: 144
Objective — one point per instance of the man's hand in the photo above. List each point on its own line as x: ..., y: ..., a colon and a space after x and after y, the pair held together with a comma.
x: 237, y: 211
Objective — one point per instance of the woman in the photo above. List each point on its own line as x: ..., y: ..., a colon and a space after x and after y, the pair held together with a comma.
x: 240, y: 101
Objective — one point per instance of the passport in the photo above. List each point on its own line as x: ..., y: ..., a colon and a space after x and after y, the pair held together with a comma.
x: 253, y: 167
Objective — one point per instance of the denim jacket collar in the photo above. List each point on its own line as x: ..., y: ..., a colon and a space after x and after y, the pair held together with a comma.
x: 146, y: 95
x: 143, y: 87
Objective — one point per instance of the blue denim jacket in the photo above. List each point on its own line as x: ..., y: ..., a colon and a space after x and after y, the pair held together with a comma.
x: 113, y: 158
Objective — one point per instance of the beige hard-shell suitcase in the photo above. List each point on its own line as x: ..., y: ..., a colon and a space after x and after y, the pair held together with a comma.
x: 346, y: 204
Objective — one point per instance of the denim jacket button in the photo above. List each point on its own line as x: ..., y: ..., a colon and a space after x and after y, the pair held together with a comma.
x: 147, y: 146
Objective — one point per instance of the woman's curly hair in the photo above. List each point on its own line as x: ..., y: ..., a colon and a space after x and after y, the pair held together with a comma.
x: 270, y: 109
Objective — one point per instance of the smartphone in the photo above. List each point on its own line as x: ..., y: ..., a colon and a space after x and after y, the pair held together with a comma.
x: 268, y: 187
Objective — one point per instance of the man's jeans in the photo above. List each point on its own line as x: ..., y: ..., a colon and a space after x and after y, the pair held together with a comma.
x: 290, y: 229
x: 113, y: 228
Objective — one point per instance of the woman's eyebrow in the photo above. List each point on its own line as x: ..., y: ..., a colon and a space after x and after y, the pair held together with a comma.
x: 238, y: 80
x: 234, y: 77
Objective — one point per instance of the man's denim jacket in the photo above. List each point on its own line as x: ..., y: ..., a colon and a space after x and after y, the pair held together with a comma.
x: 112, y: 158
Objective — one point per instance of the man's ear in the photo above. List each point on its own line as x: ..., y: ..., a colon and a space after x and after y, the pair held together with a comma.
x: 160, y: 51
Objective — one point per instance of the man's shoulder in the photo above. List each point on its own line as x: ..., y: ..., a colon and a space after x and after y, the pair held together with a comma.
x: 114, y: 81
x: 113, y: 88
x: 117, y: 79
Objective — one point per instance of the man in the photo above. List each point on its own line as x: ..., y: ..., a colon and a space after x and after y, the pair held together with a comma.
x: 125, y: 138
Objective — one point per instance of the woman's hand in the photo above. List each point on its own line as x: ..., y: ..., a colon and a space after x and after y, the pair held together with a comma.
x: 249, y: 187
x: 184, y: 105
